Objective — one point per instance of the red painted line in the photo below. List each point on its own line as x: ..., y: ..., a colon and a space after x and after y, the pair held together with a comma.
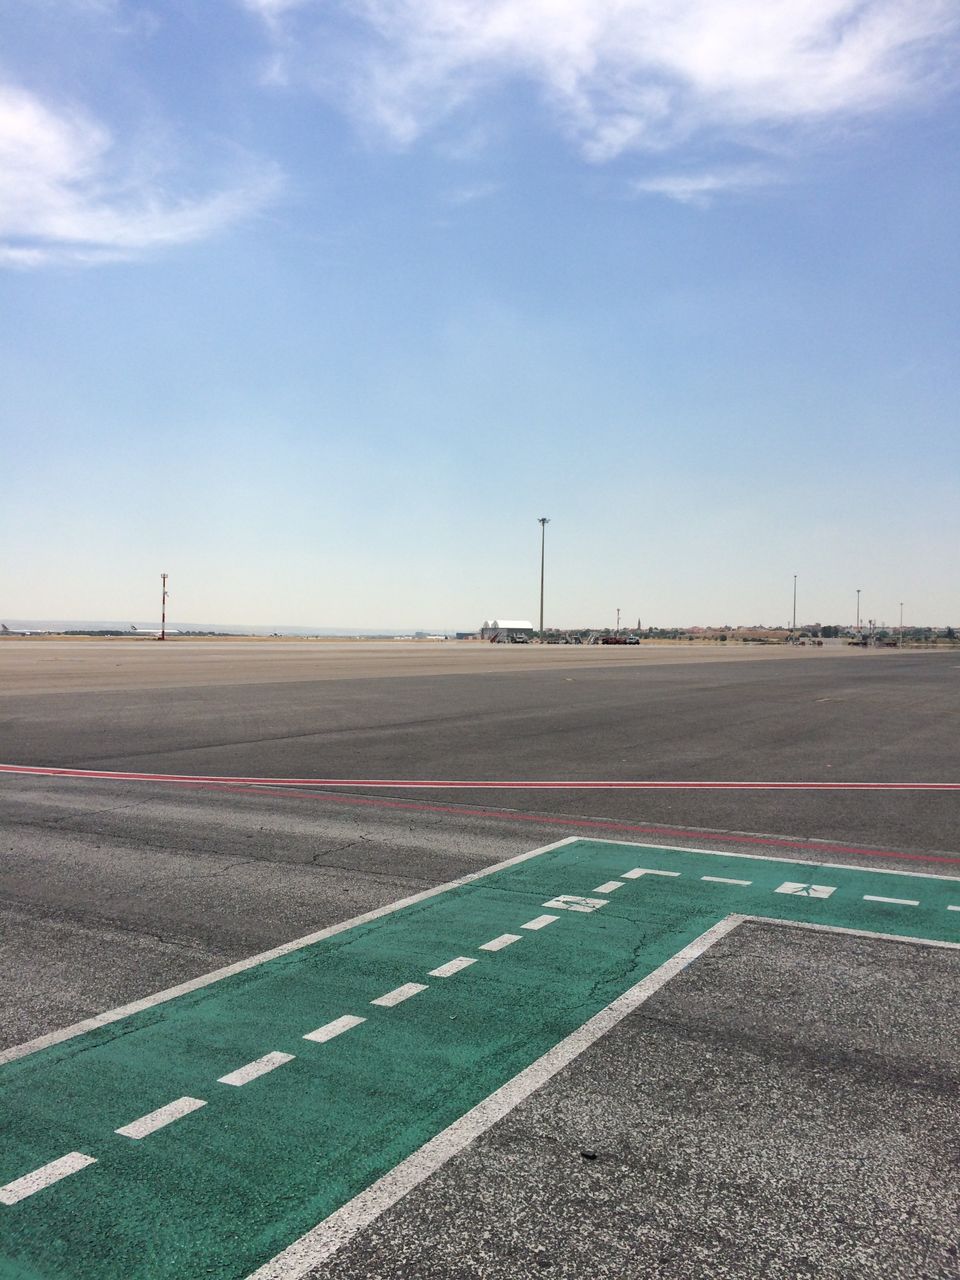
x: 564, y: 822
x: 435, y: 784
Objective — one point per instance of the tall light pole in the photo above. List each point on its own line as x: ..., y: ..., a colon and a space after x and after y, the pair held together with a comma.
x: 543, y: 521
x: 793, y: 629
x: 618, y: 622
x: 901, y: 624
x: 858, y: 610
x: 163, y: 606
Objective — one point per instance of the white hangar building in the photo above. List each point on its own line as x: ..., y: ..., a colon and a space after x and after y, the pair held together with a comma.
x: 505, y: 629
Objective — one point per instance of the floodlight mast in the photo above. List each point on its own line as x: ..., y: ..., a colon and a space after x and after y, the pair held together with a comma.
x: 163, y: 606
x: 543, y: 521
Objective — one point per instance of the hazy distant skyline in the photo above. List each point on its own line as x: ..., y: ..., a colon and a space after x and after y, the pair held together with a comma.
x: 317, y: 305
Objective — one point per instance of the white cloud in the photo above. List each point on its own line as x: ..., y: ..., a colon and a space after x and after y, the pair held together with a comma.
x: 63, y: 197
x: 620, y: 74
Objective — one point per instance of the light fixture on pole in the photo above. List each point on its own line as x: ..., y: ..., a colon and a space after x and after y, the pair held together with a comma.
x: 163, y: 606
x: 543, y: 521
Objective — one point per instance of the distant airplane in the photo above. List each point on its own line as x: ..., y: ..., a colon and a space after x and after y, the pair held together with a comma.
x: 142, y: 631
x: 6, y: 631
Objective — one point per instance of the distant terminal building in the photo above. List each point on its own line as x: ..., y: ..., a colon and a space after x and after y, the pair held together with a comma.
x: 506, y: 631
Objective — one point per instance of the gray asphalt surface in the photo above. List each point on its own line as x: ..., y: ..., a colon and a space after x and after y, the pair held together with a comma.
x: 109, y: 891
x: 779, y: 1110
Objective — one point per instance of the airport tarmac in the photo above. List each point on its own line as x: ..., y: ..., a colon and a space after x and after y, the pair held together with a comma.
x: 56, y: 664
x: 784, y: 1106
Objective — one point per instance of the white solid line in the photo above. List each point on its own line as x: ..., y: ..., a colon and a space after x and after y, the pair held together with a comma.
x: 497, y: 944
x: 897, y: 902
x: 452, y: 966
x: 725, y: 880
x: 854, y: 933
x: 637, y: 872
x: 259, y: 1067
x: 337, y: 1027
x: 399, y: 994
x: 810, y: 847
x: 298, y: 944
x: 953, y: 908
x: 158, y: 1119
x: 43, y: 1177
x: 539, y: 922
x: 608, y: 887
x: 334, y: 1232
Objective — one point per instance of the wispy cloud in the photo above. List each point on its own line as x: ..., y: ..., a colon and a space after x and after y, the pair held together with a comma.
x: 700, y: 187
x: 471, y: 193
x: 620, y: 75
x: 65, y: 196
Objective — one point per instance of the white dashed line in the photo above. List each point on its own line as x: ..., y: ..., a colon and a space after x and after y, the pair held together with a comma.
x: 725, y: 880
x: 399, y: 994
x: 43, y: 1177
x: 452, y: 966
x: 497, y: 944
x: 539, y: 922
x: 260, y: 1067
x: 609, y: 886
x: 896, y: 902
x: 160, y: 1118
x: 953, y: 908
x: 637, y: 872
x: 337, y: 1027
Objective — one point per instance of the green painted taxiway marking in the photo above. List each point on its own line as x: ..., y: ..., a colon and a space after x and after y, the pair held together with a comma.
x: 204, y: 1135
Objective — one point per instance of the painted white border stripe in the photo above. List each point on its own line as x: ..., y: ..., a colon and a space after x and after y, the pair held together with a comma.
x: 809, y: 846
x: 725, y: 880
x: 334, y: 1232
x: 44, y: 1177
x: 330, y: 1030
x: 160, y: 1118
x: 953, y: 908
x: 608, y: 886
x: 873, y: 934
x: 497, y: 944
x: 896, y: 902
x: 539, y: 922
x: 399, y: 994
x: 452, y: 966
x: 259, y: 1067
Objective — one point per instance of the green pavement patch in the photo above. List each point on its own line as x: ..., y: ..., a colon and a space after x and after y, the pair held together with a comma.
x: 224, y: 1186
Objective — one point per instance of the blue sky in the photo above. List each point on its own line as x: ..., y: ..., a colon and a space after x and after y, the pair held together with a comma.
x: 318, y: 304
